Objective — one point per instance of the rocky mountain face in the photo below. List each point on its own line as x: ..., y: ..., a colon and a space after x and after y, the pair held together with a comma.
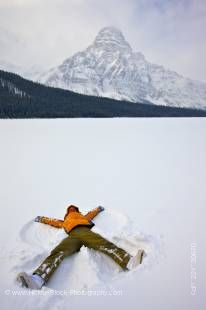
x: 110, y: 68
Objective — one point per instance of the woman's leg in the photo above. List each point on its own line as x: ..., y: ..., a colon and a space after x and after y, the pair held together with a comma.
x: 99, y: 243
x: 66, y: 247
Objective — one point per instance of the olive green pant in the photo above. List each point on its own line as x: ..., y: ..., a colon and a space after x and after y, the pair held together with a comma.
x: 79, y: 236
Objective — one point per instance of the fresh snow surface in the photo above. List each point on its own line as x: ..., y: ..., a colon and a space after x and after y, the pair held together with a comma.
x: 149, y: 174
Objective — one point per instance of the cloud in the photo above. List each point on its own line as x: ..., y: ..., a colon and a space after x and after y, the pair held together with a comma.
x: 48, y: 31
x: 16, y: 3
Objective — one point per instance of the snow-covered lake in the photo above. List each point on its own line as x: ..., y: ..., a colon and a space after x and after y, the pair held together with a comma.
x: 150, y: 176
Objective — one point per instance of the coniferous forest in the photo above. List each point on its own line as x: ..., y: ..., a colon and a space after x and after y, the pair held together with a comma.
x: 21, y: 98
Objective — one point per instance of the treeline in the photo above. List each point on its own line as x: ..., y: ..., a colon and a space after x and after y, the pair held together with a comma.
x: 21, y: 98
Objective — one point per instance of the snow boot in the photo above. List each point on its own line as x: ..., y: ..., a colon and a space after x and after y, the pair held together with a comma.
x: 136, y: 260
x: 34, y: 281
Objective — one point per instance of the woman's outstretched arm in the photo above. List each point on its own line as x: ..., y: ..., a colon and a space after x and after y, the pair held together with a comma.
x: 49, y: 221
x: 91, y: 214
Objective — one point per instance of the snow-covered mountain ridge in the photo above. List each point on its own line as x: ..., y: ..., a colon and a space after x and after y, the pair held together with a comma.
x: 110, y: 68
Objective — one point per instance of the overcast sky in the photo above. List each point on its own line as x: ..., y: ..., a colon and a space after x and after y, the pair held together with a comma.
x: 45, y: 32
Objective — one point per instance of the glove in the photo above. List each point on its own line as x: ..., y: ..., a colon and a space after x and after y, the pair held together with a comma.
x: 37, y: 219
x: 101, y: 208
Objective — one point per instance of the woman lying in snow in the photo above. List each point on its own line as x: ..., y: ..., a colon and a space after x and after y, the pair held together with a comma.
x: 78, y: 227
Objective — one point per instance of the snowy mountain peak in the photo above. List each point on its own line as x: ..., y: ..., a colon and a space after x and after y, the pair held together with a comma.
x: 110, y: 68
x: 113, y: 37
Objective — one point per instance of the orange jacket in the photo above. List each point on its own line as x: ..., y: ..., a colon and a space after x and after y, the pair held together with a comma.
x: 71, y: 220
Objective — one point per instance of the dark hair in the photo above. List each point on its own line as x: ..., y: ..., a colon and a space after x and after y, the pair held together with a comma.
x: 71, y: 206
